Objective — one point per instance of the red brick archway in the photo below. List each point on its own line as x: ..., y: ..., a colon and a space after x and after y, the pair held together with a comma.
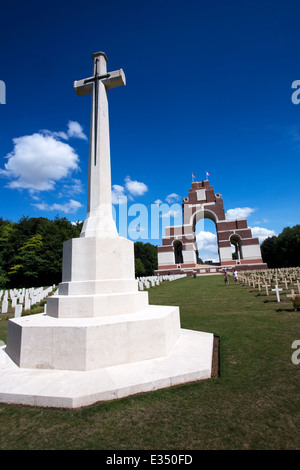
x: 203, y: 202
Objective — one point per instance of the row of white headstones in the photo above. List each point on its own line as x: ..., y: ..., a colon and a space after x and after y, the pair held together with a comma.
x: 23, y: 299
x: 152, y: 281
x: 281, y: 280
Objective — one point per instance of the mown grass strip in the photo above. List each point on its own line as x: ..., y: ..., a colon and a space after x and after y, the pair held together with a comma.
x: 254, y: 404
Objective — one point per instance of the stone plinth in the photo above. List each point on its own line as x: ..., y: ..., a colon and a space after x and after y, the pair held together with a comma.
x: 98, y: 280
x: 44, y: 342
x: 189, y: 360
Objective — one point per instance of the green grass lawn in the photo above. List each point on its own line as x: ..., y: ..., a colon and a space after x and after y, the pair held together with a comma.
x: 253, y: 404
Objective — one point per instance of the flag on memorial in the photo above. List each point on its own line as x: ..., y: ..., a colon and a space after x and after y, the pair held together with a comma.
x: 193, y: 176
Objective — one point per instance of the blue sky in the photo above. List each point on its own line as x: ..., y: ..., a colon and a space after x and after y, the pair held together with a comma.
x: 209, y: 88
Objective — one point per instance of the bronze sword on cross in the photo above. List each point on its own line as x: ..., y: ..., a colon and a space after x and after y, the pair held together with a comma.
x: 91, y: 85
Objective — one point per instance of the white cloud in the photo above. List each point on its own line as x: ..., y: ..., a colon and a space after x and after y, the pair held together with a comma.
x: 75, y: 130
x: 171, y: 213
x: 117, y: 194
x: 158, y: 201
x: 38, y: 161
x: 239, y: 213
x: 120, y: 194
x: 172, y: 198
x: 262, y: 233
x: 135, y: 188
x: 54, y: 134
x: 73, y: 187
x: 69, y: 207
x: 207, y: 241
x: 207, y: 246
x: 263, y: 221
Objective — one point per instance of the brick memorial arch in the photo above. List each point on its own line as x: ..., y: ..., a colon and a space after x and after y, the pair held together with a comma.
x: 178, y: 253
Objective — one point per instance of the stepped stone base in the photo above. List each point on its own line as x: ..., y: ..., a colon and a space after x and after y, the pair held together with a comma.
x: 190, y: 359
x: 44, y: 342
x: 75, y: 306
x: 100, y: 339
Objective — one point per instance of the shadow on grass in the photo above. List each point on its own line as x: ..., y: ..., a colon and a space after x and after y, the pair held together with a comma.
x: 289, y: 310
x: 215, y: 369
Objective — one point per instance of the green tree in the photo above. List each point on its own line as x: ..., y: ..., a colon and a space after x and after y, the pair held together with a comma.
x: 3, y: 278
x: 139, y: 268
x: 288, y: 247
x: 31, y: 250
x: 147, y: 253
x: 268, y: 251
x: 282, y: 250
x: 7, y: 248
x: 30, y: 263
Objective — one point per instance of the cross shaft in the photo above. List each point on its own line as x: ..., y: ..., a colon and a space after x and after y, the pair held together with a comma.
x: 99, y: 217
x: 91, y: 85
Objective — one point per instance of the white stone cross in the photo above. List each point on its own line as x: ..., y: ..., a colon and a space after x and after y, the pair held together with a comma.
x: 277, y: 292
x: 99, y: 221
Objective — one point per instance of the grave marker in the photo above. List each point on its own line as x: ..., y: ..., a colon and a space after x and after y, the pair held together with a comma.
x: 277, y: 292
x: 292, y: 294
x: 298, y: 285
x: 286, y: 283
x: 18, y: 310
x: 266, y: 287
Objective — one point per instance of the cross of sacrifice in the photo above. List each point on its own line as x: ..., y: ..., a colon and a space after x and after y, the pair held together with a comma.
x: 277, y: 292
x: 99, y: 221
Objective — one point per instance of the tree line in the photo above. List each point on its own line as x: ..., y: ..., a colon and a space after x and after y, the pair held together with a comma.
x: 282, y: 251
x: 31, y: 251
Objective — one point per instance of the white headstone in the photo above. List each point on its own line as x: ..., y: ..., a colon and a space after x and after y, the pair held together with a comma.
x: 18, y: 310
